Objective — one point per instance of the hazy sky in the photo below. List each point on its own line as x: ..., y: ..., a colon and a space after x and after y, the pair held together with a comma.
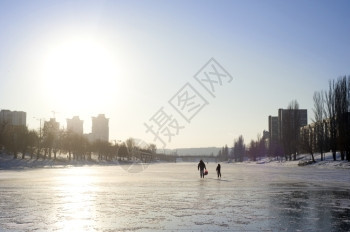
x: 127, y: 59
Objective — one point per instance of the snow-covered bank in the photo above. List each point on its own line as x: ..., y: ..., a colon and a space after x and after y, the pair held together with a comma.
x: 303, y: 159
x: 7, y: 162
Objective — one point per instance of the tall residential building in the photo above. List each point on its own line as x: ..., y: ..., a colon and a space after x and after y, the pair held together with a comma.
x: 75, y: 125
x: 287, y: 117
x: 273, y: 133
x: 273, y: 128
x: 100, y: 128
x: 16, y: 118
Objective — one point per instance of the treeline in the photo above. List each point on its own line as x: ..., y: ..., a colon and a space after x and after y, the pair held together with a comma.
x: 237, y: 153
x: 329, y: 130
x: 49, y: 144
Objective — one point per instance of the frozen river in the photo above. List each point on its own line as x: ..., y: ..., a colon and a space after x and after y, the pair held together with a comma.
x: 172, y: 197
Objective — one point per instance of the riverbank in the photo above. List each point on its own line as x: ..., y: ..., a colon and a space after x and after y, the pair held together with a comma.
x: 305, y: 160
x: 7, y: 162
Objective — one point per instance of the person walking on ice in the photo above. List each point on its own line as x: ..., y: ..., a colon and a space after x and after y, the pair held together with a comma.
x: 201, y: 167
x: 218, y: 170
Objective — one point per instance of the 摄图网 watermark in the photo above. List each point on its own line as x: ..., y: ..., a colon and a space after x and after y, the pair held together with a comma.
x: 187, y: 102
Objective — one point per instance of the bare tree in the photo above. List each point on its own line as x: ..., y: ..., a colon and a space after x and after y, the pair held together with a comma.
x: 224, y: 153
x: 66, y: 141
x: 2, y: 133
x: 319, y: 122
x: 296, y: 123
x: 22, y: 137
x: 253, y: 150
x: 307, y: 140
x: 347, y: 124
x: 152, y: 148
x: 331, y: 115
x: 33, y: 138
x: 341, y: 109
x: 239, y: 149
x: 9, y: 139
x: 219, y: 156
x: 131, y: 146
x: 123, y: 151
x: 102, y: 148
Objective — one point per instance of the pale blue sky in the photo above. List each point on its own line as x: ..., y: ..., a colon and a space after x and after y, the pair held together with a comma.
x: 276, y: 51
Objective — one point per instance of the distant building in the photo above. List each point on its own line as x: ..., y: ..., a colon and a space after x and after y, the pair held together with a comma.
x: 266, y: 139
x: 75, y: 125
x: 273, y: 132
x: 89, y: 137
x: 308, y: 137
x: 16, y: 118
x: 51, y: 127
x: 287, y: 117
x: 100, y: 128
x: 285, y: 121
x: 266, y: 135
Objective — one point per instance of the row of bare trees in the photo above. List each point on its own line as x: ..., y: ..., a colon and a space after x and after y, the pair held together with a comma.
x: 239, y: 149
x: 257, y: 148
x: 48, y: 144
x: 17, y: 139
x: 223, y: 154
x: 237, y: 152
x: 330, y: 130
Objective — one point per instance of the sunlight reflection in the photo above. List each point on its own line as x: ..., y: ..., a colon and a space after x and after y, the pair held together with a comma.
x: 76, y: 193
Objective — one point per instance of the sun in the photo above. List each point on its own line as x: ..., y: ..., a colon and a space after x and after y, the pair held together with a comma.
x: 79, y: 74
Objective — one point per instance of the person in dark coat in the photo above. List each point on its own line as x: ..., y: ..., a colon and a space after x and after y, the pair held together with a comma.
x: 218, y: 170
x: 201, y: 167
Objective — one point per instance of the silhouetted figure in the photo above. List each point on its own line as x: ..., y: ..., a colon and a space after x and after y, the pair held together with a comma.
x: 201, y: 167
x: 218, y: 170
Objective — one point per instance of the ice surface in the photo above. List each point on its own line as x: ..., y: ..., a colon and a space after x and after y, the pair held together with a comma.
x: 172, y: 197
